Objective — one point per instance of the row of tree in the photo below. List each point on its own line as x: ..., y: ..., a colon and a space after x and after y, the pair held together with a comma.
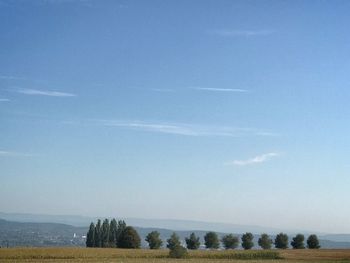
x: 118, y: 234
x: 112, y: 234
x: 211, y: 241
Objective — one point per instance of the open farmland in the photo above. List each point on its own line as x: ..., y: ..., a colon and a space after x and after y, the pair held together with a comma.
x: 143, y: 255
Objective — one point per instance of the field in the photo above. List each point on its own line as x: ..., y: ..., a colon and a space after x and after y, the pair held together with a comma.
x: 160, y: 256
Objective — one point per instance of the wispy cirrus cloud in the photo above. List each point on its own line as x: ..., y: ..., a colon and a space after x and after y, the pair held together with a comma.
x: 14, y: 154
x: 184, y: 129
x: 50, y: 93
x: 243, y: 33
x: 152, y: 127
x: 255, y: 160
x: 4, y: 100
x: 163, y: 90
x: 218, y: 89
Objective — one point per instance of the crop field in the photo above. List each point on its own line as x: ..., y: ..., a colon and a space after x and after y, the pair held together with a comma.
x: 161, y: 256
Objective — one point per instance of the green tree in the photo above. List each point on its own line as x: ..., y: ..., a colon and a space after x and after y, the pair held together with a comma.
x: 298, y: 241
x: 265, y: 242
x: 113, y: 233
x: 211, y: 240
x: 192, y: 242
x: 90, y: 239
x: 97, y: 235
x: 129, y: 238
x: 281, y: 241
x: 154, y: 240
x: 230, y: 241
x: 247, y: 241
x: 312, y: 242
x: 121, y: 227
x: 105, y: 233
x: 173, y: 241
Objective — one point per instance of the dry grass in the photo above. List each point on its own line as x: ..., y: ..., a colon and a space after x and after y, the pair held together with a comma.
x: 318, y: 254
x: 49, y: 255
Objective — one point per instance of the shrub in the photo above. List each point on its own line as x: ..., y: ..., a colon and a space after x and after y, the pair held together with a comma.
x: 178, y: 251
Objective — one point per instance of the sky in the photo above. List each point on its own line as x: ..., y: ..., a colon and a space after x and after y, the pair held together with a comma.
x: 222, y: 111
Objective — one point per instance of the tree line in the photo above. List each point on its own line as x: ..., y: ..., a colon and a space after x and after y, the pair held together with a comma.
x: 117, y: 234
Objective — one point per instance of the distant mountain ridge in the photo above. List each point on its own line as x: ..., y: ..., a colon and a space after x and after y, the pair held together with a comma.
x: 175, y: 224
x: 54, y: 234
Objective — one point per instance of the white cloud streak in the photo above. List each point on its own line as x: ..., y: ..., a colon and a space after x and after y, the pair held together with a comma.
x: 4, y: 100
x: 243, y: 33
x: 219, y: 89
x: 163, y: 90
x: 178, y: 128
x: 154, y: 127
x: 255, y: 160
x: 35, y: 92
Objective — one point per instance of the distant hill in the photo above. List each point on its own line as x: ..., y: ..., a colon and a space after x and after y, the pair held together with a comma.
x: 337, y: 237
x: 40, y: 234
x: 73, y: 220
x: 180, y: 225
x: 56, y: 234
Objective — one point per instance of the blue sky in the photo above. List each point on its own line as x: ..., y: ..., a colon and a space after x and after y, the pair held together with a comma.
x: 227, y: 111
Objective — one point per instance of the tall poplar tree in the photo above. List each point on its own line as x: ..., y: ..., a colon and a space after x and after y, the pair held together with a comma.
x: 90, y: 236
x: 97, y: 237
x: 105, y: 233
x: 120, y: 229
x: 113, y: 227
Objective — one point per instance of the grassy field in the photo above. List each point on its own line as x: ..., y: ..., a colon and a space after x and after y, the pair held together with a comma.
x: 160, y: 256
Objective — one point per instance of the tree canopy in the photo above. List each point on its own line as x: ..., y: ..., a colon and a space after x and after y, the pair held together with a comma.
x: 265, y: 242
x: 211, y: 240
x: 129, y: 238
x: 230, y: 241
x: 281, y: 241
x: 153, y: 239
x: 298, y: 242
x: 312, y: 242
x: 192, y: 242
x: 173, y: 241
x: 247, y: 241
